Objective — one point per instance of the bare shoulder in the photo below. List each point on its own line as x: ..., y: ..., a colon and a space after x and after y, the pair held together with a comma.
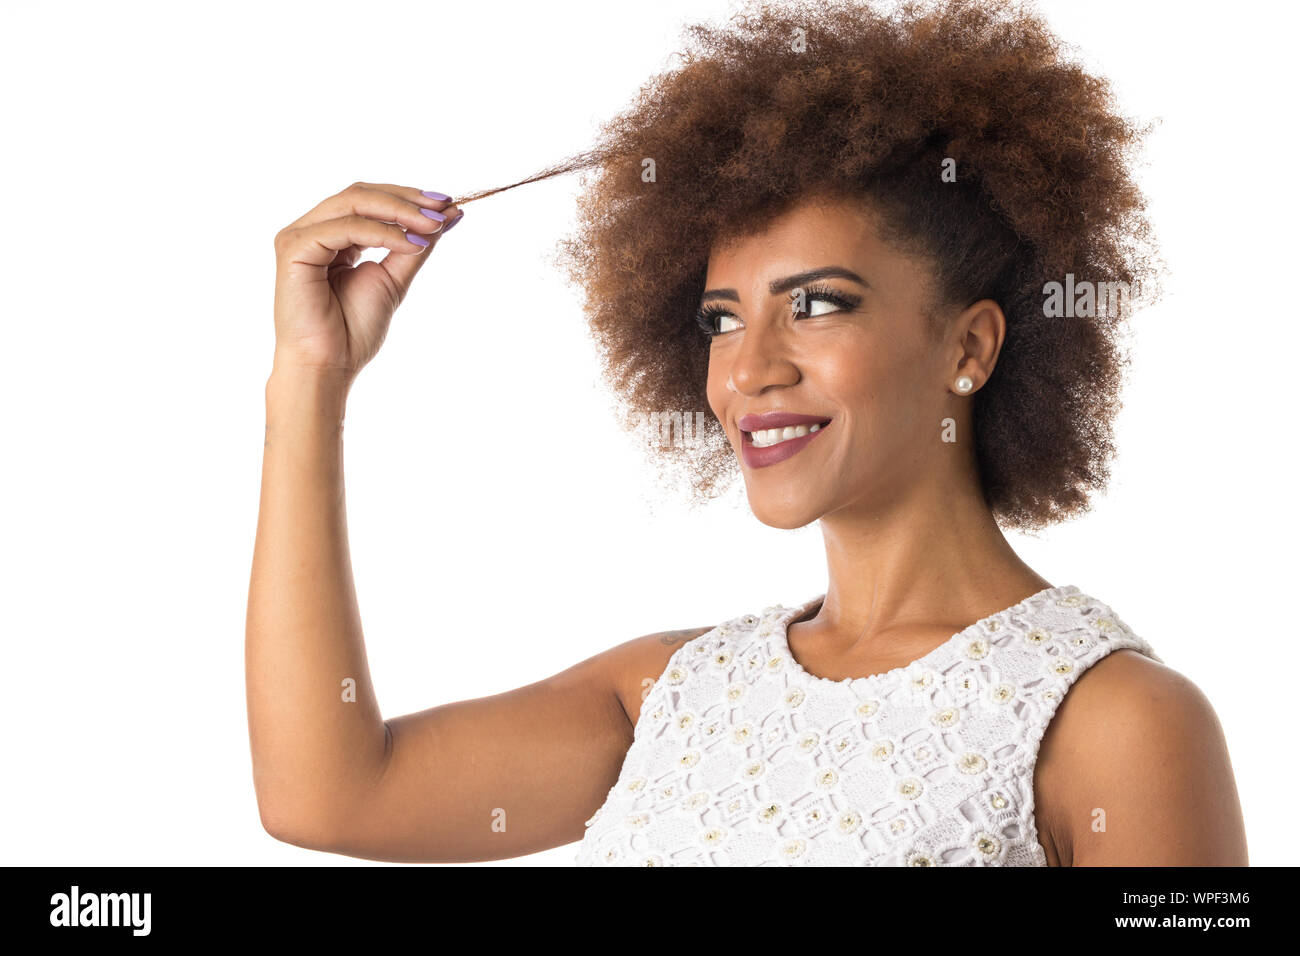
x: 635, y: 665
x: 1134, y: 771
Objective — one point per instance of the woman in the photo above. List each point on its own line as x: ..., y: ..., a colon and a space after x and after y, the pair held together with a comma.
x: 840, y: 227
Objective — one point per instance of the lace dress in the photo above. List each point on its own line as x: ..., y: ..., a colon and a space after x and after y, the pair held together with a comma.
x: 740, y: 757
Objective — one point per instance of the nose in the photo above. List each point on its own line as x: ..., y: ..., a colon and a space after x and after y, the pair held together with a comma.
x: 761, y: 361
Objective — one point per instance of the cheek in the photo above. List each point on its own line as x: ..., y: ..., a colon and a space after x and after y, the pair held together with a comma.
x: 858, y: 378
x: 883, y: 389
x: 715, y: 389
x: 717, y: 395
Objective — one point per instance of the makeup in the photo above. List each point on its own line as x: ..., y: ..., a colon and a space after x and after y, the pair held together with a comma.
x: 773, y: 427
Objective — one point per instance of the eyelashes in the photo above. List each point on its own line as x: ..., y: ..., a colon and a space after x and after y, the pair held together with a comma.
x: 706, y: 319
x: 707, y: 316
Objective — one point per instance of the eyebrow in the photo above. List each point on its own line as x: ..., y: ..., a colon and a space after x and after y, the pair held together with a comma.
x: 789, y: 282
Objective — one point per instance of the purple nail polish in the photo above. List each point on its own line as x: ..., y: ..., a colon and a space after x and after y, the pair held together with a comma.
x: 418, y: 240
x: 433, y: 195
x: 453, y: 222
x: 434, y: 214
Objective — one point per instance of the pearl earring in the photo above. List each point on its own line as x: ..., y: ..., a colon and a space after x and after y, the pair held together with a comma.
x: 964, y: 384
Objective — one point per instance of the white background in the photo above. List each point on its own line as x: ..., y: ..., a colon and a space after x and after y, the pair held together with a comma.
x: 152, y: 151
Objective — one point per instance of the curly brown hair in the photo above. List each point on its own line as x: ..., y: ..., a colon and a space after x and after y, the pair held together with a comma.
x: 816, y: 96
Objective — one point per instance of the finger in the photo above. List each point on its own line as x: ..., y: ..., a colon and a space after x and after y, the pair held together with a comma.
x: 316, y: 245
x: 429, y: 199
x: 402, y: 269
x: 385, y: 202
x: 346, y: 258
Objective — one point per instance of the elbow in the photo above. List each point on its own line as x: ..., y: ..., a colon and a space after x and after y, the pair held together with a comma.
x: 293, y: 827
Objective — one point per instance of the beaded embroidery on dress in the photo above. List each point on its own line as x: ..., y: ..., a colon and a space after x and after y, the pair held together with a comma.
x: 740, y: 757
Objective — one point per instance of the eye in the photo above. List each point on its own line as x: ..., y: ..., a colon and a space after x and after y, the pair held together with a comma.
x: 710, y: 317
x: 817, y: 300
x: 822, y: 300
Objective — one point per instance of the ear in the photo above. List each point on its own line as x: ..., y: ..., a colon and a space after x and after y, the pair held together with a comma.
x: 977, y: 337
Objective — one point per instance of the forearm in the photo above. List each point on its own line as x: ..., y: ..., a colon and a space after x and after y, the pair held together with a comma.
x: 313, y: 751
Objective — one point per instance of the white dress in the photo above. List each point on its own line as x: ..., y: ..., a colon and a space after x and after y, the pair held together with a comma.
x: 740, y: 757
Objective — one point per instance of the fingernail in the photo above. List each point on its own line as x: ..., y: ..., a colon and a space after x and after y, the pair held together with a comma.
x: 418, y: 240
x: 434, y: 214
x: 433, y: 195
x: 452, y: 224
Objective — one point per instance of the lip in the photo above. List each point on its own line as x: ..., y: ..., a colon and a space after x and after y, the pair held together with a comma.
x: 757, y: 423
x: 763, y: 457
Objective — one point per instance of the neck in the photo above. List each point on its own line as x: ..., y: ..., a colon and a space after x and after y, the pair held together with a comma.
x: 936, y: 558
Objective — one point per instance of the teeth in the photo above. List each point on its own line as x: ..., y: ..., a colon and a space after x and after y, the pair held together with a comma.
x: 774, y: 436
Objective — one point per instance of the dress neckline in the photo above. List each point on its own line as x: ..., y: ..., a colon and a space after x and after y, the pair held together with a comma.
x: 788, y: 615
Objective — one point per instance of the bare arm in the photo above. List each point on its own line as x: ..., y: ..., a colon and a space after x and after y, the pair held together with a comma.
x: 478, y: 779
x: 1143, y: 776
x: 474, y: 780
x: 312, y: 750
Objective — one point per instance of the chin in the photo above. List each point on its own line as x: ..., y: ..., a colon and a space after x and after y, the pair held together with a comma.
x: 784, y: 513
